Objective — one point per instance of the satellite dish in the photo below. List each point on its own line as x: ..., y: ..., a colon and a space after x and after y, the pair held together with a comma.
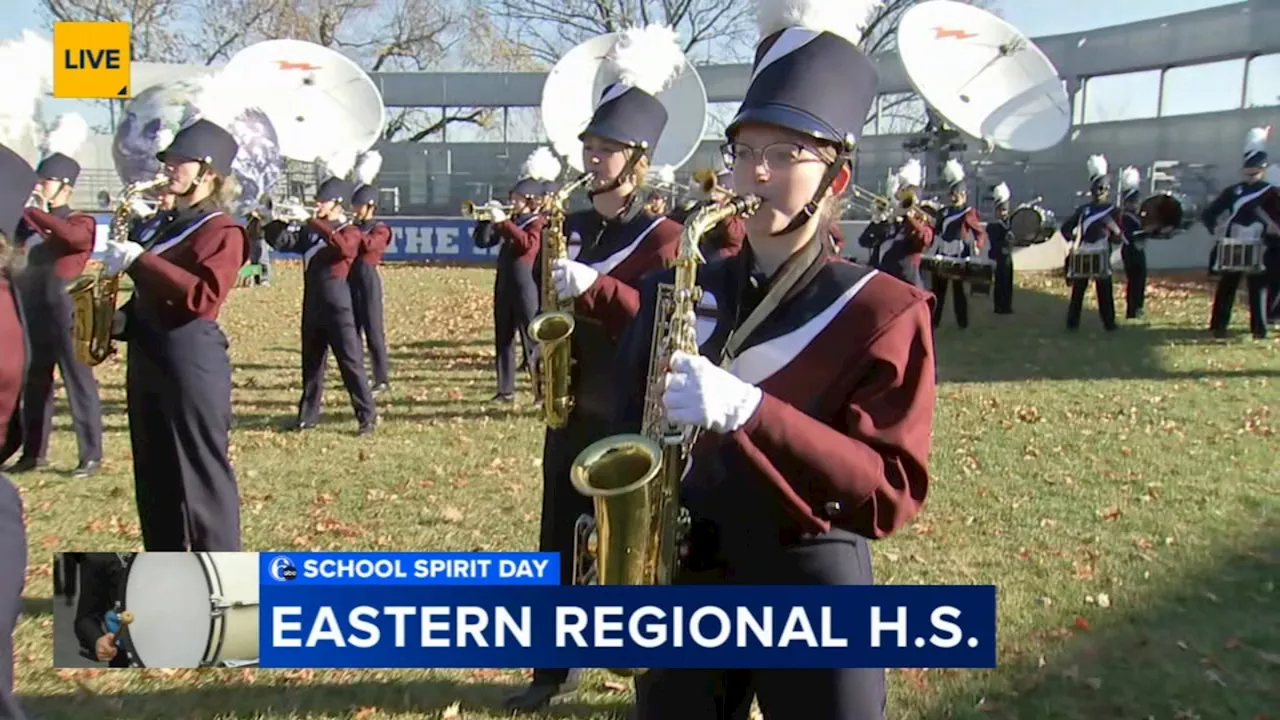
x: 320, y: 102
x: 983, y: 76
x: 577, y: 82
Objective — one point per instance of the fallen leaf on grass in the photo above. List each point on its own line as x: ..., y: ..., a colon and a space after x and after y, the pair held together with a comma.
x: 1231, y: 643
x: 1110, y: 513
x: 363, y: 713
x: 1081, y: 623
x: 612, y: 686
x: 452, y: 712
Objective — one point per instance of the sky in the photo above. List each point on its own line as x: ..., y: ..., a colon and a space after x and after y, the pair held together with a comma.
x: 1200, y: 89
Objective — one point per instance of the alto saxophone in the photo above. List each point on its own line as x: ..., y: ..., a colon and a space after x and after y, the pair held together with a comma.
x: 634, y: 480
x: 552, y: 329
x: 94, y: 298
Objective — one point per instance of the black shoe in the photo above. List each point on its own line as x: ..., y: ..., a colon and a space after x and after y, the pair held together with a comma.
x: 86, y: 469
x: 381, y: 388
x: 27, y: 464
x: 1111, y: 328
x: 503, y: 398
x: 367, y: 427
x: 302, y: 425
x: 1219, y: 334
x: 539, y: 696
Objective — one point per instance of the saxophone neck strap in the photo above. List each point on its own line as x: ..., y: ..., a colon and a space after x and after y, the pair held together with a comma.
x: 793, y: 271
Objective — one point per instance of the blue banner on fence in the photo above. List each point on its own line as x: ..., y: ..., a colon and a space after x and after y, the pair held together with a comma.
x: 310, y: 569
x: 413, y: 239
x: 690, y: 626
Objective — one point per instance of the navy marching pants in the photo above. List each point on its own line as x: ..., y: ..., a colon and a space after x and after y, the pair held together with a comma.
x: 52, y: 345
x: 1002, y: 293
x: 328, y: 323
x: 13, y: 575
x: 836, y: 558
x: 1135, y: 270
x: 515, y: 303
x: 1225, y: 297
x: 940, y: 286
x: 1106, y: 302
x: 366, y: 303
x: 179, y: 395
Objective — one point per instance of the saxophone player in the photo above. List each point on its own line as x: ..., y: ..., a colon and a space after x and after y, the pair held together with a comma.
x: 816, y: 426
x: 515, y: 293
x: 58, y: 244
x: 16, y: 180
x: 620, y: 242
x: 178, y: 376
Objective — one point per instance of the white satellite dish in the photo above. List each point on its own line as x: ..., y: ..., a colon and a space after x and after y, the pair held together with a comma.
x: 984, y: 76
x: 320, y: 102
x: 575, y: 84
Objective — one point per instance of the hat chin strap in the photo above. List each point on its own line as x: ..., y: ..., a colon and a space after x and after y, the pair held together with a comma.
x: 811, y: 208
x: 195, y: 182
x: 632, y: 160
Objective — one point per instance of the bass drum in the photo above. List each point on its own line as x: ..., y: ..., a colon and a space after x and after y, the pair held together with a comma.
x: 1161, y: 214
x: 1031, y: 225
x: 192, y: 609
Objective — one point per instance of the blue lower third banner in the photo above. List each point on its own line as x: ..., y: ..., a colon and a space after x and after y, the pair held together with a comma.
x: 691, y: 626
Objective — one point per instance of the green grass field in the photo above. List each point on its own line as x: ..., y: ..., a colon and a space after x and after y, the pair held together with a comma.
x: 1121, y: 489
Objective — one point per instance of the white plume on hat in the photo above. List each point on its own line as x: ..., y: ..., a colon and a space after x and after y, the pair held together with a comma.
x: 220, y: 100
x: 542, y: 164
x: 1001, y: 194
x: 368, y: 167
x: 1256, y: 140
x: 911, y: 173
x: 893, y: 183
x: 28, y: 63
x: 953, y: 171
x: 666, y: 174
x: 68, y: 134
x: 846, y: 18
x: 339, y: 164
x: 1097, y: 166
x: 1130, y: 179
x: 648, y: 58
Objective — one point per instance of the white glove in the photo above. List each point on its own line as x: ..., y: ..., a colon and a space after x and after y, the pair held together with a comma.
x: 120, y: 255
x: 699, y: 393
x: 142, y: 208
x: 572, y: 278
x: 497, y: 212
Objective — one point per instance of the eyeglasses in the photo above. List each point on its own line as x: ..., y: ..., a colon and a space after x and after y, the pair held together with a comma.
x: 778, y: 156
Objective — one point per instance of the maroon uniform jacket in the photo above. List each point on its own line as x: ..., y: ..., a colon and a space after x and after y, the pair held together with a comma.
x: 622, y: 251
x: 332, y: 246
x: 374, y: 243
x: 843, y: 433
x: 962, y: 224
x: 13, y: 360
x: 522, y: 241
x: 66, y: 240
x: 190, y: 267
x: 725, y: 240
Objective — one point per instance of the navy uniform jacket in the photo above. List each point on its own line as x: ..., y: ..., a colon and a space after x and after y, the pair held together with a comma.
x: 1243, y: 205
x: 622, y: 250
x: 1001, y: 247
x: 1097, y: 222
x: 959, y: 232
x: 101, y: 588
x: 896, y: 246
x: 843, y: 433
x: 328, y: 250
x: 13, y: 542
x: 521, y: 239
x: 1131, y: 226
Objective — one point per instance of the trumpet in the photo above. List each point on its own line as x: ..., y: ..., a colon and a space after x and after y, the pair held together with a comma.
x: 877, y: 206
x: 36, y: 200
x: 483, y: 213
x: 291, y: 210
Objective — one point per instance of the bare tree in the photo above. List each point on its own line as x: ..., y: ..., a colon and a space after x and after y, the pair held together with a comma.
x: 380, y: 35
x: 723, y: 30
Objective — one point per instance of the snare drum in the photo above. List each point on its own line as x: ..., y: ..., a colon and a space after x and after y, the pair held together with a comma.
x: 1085, y: 264
x: 944, y: 267
x: 192, y: 609
x: 980, y: 272
x: 1242, y: 256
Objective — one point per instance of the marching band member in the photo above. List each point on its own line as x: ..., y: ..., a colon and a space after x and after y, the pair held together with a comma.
x: 178, y: 378
x: 1133, y: 253
x: 959, y: 234
x: 1001, y: 252
x: 1246, y: 203
x: 1096, y: 224
x: 515, y: 293
x: 16, y: 180
x: 58, y: 244
x: 656, y: 203
x: 620, y: 243
x: 815, y: 386
x: 329, y: 244
x: 364, y: 280
x: 259, y: 250
x: 896, y: 242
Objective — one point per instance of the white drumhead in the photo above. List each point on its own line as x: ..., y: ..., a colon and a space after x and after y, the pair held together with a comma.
x: 168, y: 594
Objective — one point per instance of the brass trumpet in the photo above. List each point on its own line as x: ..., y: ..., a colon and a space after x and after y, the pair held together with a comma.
x: 482, y: 213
